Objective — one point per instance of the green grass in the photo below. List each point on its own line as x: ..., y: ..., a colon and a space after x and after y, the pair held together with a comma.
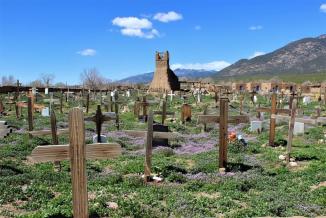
x: 258, y: 184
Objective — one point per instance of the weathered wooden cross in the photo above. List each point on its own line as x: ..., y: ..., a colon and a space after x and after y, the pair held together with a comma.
x: 150, y: 135
x: 99, y: 119
x: 77, y: 152
x: 273, y: 111
x: 164, y: 113
x: 223, y: 119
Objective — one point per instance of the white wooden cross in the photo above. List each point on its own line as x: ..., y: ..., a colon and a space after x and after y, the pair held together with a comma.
x: 77, y: 152
x: 171, y: 95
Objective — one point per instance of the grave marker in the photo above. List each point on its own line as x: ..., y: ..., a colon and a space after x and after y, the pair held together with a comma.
x: 77, y: 152
x: 223, y: 119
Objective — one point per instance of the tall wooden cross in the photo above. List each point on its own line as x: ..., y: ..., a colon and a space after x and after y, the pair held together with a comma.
x: 99, y: 119
x: 273, y: 111
x: 223, y: 119
x: 77, y: 152
x: 292, y: 119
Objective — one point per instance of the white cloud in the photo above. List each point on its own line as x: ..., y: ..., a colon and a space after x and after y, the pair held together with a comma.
x: 257, y: 53
x: 132, y: 22
x: 87, y: 52
x: 167, y: 17
x: 254, y: 28
x: 197, y: 27
x: 214, y: 65
x: 323, y: 7
x: 135, y: 27
x: 140, y: 33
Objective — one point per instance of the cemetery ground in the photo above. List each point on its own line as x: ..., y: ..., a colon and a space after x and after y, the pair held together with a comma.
x: 256, y: 184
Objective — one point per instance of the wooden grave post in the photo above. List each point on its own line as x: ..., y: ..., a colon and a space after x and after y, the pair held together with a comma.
x: 77, y: 152
x: 30, y: 111
x: 61, y: 103
x: 223, y: 119
x: 99, y: 119
x: 87, y: 103
x: 290, y: 132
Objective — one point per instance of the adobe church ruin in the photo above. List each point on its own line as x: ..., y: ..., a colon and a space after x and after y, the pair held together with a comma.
x: 164, y: 78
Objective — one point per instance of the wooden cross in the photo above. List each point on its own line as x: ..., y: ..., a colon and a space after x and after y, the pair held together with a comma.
x: 223, y: 119
x: 54, y: 132
x: 171, y: 95
x: 150, y: 135
x: 273, y: 111
x: 227, y: 93
x: 99, y: 119
x: 292, y: 119
x: 77, y: 152
x: 164, y: 113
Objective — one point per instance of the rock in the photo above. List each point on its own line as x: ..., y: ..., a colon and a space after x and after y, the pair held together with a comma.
x: 293, y: 164
x: 222, y: 171
x: 264, y: 145
x: 157, y: 179
x: 292, y: 159
x: 281, y: 157
x: 112, y: 205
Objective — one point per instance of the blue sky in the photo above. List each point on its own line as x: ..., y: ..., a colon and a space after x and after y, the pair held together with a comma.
x: 120, y: 38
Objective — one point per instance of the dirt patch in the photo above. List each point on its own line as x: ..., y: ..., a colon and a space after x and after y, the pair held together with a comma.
x: 214, y: 195
x: 314, y: 187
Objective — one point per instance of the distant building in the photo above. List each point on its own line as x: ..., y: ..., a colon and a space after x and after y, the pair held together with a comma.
x: 164, y: 79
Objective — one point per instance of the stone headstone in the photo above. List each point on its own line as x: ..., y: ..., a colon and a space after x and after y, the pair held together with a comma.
x: 298, y: 128
x: 306, y: 100
x: 103, y: 139
x: 46, y: 91
x: 256, y: 125
x: 255, y: 99
x: 321, y: 120
x: 45, y: 112
x: 286, y: 107
x: 34, y: 90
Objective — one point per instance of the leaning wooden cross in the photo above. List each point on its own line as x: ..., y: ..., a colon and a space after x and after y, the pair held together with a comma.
x: 99, y: 119
x: 273, y: 111
x: 150, y: 135
x: 223, y: 121
x: 77, y: 152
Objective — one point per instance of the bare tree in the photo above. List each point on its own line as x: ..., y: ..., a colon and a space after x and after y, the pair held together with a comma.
x: 47, y: 78
x: 36, y: 83
x: 92, y: 79
x: 8, y: 80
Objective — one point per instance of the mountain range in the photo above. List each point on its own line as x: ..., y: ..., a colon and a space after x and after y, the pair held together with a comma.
x: 304, y: 56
